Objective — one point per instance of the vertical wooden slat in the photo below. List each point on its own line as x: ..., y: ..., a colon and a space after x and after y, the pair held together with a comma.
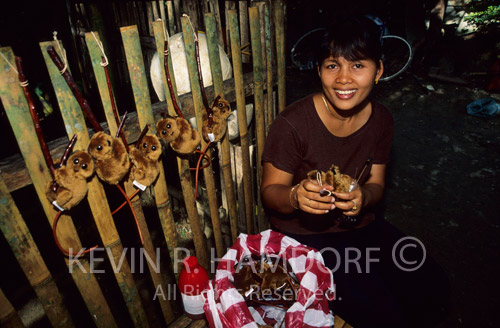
x: 242, y: 117
x: 213, y: 52
x: 188, y: 36
x: 8, y: 315
x: 17, y: 110
x: 216, y: 11
x: 171, y: 18
x: 182, y: 161
x: 95, y: 57
x: 177, y: 14
x: 75, y: 124
x: 228, y: 5
x: 279, y: 18
x: 269, y: 67
x: 27, y: 254
x: 245, y: 40
x: 135, y: 64
x: 163, y: 15
x: 258, y: 76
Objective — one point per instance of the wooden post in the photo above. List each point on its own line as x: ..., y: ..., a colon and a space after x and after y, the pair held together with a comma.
x: 214, y: 4
x: 182, y: 161
x: 170, y: 17
x: 228, y: 5
x: 137, y: 73
x: 9, y: 318
x: 213, y: 52
x: 269, y: 69
x: 27, y: 254
x: 245, y: 40
x: 279, y: 18
x: 188, y: 36
x: 74, y: 123
x: 17, y: 110
x: 258, y: 75
x: 95, y: 56
x: 242, y: 117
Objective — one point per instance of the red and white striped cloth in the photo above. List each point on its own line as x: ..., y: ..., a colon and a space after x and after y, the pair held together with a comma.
x: 226, y: 308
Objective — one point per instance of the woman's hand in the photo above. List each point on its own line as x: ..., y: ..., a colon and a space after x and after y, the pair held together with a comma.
x: 308, y: 198
x: 350, y: 202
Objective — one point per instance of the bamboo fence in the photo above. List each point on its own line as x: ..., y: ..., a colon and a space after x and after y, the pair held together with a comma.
x: 246, y: 23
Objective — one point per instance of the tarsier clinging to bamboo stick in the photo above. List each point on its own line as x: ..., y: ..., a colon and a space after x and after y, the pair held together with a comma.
x: 145, y: 157
x: 215, y: 122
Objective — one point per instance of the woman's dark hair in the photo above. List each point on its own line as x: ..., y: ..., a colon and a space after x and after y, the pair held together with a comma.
x: 354, y: 38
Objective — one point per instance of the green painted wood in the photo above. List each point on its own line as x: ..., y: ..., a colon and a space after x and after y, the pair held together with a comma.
x: 188, y: 37
x: 242, y: 117
x: 216, y: 69
x: 135, y: 64
x: 279, y: 19
x: 74, y: 123
x: 27, y: 254
x: 96, y: 60
x: 17, y: 110
x: 259, y: 78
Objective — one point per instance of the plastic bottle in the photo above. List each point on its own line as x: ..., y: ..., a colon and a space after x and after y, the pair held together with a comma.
x: 192, y: 281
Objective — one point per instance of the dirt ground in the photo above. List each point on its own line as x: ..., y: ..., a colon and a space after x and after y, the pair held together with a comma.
x: 443, y: 181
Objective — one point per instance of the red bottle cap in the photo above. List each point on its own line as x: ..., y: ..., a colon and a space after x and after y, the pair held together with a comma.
x: 190, y: 262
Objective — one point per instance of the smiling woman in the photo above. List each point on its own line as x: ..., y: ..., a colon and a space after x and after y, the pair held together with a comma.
x: 343, y: 128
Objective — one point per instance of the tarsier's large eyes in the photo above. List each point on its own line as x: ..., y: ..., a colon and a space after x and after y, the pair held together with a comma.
x: 163, y: 132
x: 220, y: 105
x: 109, y: 142
x: 144, y: 145
x: 99, y: 147
x: 169, y: 126
x: 153, y: 148
x: 84, y: 166
x: 76, y: 161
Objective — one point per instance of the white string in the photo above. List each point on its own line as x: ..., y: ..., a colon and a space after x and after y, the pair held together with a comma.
x: 23, y: 84
x: 99, y: 44
x: 63, y: 52
x: 194, y: 32
x: 12, y: 66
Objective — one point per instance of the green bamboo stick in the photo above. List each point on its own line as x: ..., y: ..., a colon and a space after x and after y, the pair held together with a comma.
x: 95, y: 56
x: 279, y: 18
x: 135, y: 64
x: 269, y: 68
x: 74, y: 123
x: 242, y: 117
x: 27, y: 254
x: 258, y: 75
x: 188, y: 37
x: 16, y: 107
x: 213, y: 53
x: 182, y: 161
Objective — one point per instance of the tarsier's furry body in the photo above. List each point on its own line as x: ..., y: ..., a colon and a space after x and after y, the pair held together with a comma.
x: 221, y: 111
x: 145, y: 164
x: 71, y: 180
x: 340, y: 182
x: 177, y: 132
x: 111, y: 157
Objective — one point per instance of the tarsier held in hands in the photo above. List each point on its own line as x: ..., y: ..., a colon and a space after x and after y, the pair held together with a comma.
x: 71, y: 180
x: 111, y: 157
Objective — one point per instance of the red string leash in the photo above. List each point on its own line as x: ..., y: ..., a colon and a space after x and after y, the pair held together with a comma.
x: 54, y: 234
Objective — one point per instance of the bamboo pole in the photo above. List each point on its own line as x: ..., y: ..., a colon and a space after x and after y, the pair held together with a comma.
x: 213, y: 52
x: 137, y: 74
x: 16, y: 108
x: 242, y: 117
x: 95, y: 56
x: 228, y: 5
x: 279, y: 18
x: 182, y: 161
x: 258, y: 74
x: 269, y: 68
x: 28, y: 256
x: 9, y: 318
x: 216, y: 11
x: 74, y: 123
x: 245, y: 40
x: 188, y: 36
